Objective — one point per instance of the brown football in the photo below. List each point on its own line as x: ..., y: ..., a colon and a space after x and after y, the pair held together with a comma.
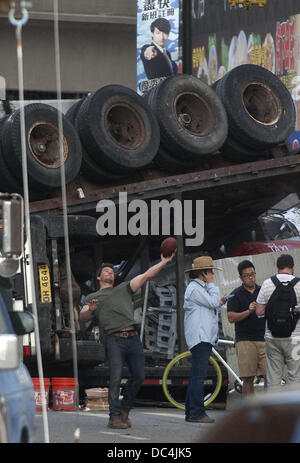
x: 168, y: 246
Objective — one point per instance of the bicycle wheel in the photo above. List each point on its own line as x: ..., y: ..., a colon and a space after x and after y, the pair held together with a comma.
x: 175, y: 380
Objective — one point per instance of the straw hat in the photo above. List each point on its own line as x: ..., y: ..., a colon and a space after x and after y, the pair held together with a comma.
x: 203, y: 263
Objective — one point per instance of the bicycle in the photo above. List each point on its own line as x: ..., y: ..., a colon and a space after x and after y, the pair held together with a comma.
x: 174, y: 380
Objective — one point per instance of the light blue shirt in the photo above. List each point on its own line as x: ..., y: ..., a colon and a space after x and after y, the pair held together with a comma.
x: 202, y: 308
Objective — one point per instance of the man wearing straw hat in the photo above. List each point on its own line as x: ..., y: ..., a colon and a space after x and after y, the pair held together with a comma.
x: 202, y: 304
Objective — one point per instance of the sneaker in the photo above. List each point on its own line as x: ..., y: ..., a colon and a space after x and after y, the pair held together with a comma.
x: 204, y: 419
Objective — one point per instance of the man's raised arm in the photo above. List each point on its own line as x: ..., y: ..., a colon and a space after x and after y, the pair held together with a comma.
x: 137, y: 282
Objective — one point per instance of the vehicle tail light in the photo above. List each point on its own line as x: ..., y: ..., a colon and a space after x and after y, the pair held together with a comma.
x: 26, y: 351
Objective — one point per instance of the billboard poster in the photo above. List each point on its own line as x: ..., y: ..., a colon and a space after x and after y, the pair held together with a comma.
x: 158, y: 49
x: 224, y: 37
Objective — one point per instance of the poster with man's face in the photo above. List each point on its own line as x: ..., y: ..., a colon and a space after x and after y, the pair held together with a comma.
x: 157, y: 42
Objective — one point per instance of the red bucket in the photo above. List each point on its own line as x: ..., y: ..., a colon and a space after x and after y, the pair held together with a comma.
x: 64, y: 394
x: 38, y: 394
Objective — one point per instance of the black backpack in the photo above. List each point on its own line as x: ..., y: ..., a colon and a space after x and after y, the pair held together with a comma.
x: 280, y: 309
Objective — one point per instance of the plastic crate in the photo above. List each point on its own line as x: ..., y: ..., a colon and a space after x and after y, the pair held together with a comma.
x: 165, y: 345
x: 166, y: 334
x: 167, y: 321
x: 150, y: 335
x: 166, y: 295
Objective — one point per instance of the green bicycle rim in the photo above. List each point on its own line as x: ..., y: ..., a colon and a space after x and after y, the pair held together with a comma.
x: 176, y: 359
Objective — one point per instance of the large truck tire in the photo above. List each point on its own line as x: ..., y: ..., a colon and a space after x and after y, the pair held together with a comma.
x: 118, y: 129
x: 8, y: 182
x: 79, y: 226
x: 89, y: 353
x: 73, y: 111
x: 89, y: 168
x: 42, y: 146
x: 192, y: 119
x: 260, y: 109
x: 232, y: 150
x: 169, y: 163
x: 83, y: 267
x: 44, y: 309
x: 95, y: 173
x: 45, y: 328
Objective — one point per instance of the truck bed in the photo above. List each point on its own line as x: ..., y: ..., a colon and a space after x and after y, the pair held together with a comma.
x: 234, y: 194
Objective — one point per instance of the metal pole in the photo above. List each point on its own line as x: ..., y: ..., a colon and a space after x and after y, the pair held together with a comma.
x: 145, y: 263
x: 186, y: 36
x: 180, y: 288
x: 144, y: 310
x: 18, y: 23
x: 64, y: 207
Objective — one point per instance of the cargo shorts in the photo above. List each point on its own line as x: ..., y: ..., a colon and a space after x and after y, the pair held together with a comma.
x: 251, y: 358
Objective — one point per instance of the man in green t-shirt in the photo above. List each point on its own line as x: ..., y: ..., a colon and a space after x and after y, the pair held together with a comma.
x: 113, y: 309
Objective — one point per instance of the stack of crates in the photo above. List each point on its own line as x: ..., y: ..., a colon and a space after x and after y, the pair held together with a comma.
x: 150, y: 332
x: 161, y: 323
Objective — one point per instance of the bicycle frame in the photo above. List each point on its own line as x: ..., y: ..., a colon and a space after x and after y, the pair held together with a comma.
x: 215, y: 360
x: 220, y: 358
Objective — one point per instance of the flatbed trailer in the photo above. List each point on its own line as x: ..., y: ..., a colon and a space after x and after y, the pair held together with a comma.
x: 230, y: 193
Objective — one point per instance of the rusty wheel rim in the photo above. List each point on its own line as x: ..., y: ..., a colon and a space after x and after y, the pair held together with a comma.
x: 262, y: 103
x: 194, y: 114
x: 43, y: 141
x: 125, y: 126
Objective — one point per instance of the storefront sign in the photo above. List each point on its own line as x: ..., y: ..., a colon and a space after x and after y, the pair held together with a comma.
x: 224, y: 37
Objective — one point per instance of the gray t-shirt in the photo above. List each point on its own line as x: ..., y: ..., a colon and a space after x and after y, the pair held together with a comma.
x: 264, y: 295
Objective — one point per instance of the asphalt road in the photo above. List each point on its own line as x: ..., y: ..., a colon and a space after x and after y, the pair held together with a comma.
x: 149, y: 426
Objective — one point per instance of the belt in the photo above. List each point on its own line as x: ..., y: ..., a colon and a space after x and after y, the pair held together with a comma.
x: 124, y: 334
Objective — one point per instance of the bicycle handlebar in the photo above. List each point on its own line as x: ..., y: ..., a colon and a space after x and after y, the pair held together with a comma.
x: 226, y: 341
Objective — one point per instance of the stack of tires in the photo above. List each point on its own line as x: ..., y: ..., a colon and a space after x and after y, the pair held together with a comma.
x: 42, y: 150
x: 179, y: 125
x: 118, y: 131
x: 260, y: 109
x: 192, y: 120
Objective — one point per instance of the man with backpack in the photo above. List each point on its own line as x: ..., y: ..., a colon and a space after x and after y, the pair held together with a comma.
x: 277, y: 299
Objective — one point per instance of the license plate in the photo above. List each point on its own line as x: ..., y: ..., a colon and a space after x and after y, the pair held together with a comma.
x: 45, y: 286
